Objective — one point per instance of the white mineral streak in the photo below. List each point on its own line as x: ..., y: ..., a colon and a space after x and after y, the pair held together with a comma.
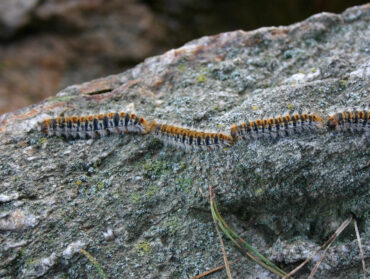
x: 39, y: 267
x: 108, y: 235
x: 11, y: 245
x: 362, y: 72
x: 300, y: 78
x: 17, y: 220
x: 8, y: 197
x: 72, y: 249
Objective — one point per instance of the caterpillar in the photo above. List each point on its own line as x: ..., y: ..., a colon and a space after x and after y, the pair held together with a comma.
x: 274, y: 127
x: 190, y: 139
x: 353, y: 120
x: 94, y: 126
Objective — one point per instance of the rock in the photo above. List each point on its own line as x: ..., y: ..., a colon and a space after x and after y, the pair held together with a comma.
x: 72, y: 249
x: 17, y: 220
x: 8, y: 197
x: 285, y: 197
x: 39, y: 267
x: 15, y: 14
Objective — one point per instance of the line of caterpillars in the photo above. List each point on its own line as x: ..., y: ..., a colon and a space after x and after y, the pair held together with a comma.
x: 96, y: 126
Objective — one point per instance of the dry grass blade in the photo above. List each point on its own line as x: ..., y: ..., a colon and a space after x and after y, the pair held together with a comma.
x: 332, y: 239
x: 94, y: 262
x: 227, y: 266
x: 360, y: 247
x: 239, y: 242
x: 328, y: 242
x: 211, y: 271
x: 302, y: 264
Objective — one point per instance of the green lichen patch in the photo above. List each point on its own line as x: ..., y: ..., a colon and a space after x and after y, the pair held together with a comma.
x: 143, y: 247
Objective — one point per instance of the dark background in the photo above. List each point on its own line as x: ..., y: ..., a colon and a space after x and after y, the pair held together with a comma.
x: 48, y: 45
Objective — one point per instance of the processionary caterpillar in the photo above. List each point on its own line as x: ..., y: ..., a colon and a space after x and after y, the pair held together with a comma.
x: 95, y: 126
x: 352, y: 120
x: 190, y: 139
x: 274, y: 127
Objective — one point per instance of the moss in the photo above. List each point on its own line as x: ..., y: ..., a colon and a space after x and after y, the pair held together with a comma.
x: 259, y: 192
x: 100, y: 185
x: 135, y: 198
x: 173, y: 224
x: 202, y: 78
x: 152, y: 191
x: 42, y: 141
x: 143, y: 247
x: 152, y: 167
x: 184, y: 183
x: 144, y: 196
x: 31, y: 261
x: 183, y: 165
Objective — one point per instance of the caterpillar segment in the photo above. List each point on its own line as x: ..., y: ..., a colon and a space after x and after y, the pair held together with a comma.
x: 352, y: 120
x: 190, y: 139
x: 274, y: 127
x: 95, y: 126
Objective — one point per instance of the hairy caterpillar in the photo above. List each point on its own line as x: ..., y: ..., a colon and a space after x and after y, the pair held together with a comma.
x: 190, y: 139
x: 274, y: 127
x: 94, y: 126
x: 355, y: 120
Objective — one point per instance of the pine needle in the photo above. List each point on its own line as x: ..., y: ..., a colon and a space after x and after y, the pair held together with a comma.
x: 239, y: 242
x: 227, y: 266
x: 331, y: 240
x: 211, y: 271
x: 360, y: 247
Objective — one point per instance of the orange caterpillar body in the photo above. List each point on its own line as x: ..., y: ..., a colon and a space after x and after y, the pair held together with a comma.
x: 355, y: 120
x: 94, y: 126
x: 274, y: 127
x: 190, y: 139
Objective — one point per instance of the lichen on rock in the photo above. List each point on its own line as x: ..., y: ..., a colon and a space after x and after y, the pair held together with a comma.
x: 285, y: 197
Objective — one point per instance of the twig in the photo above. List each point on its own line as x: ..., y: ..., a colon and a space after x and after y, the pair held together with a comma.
x: 360, y: 247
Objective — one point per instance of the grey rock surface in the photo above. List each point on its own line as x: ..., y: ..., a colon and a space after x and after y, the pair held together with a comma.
x: 141, y: 208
